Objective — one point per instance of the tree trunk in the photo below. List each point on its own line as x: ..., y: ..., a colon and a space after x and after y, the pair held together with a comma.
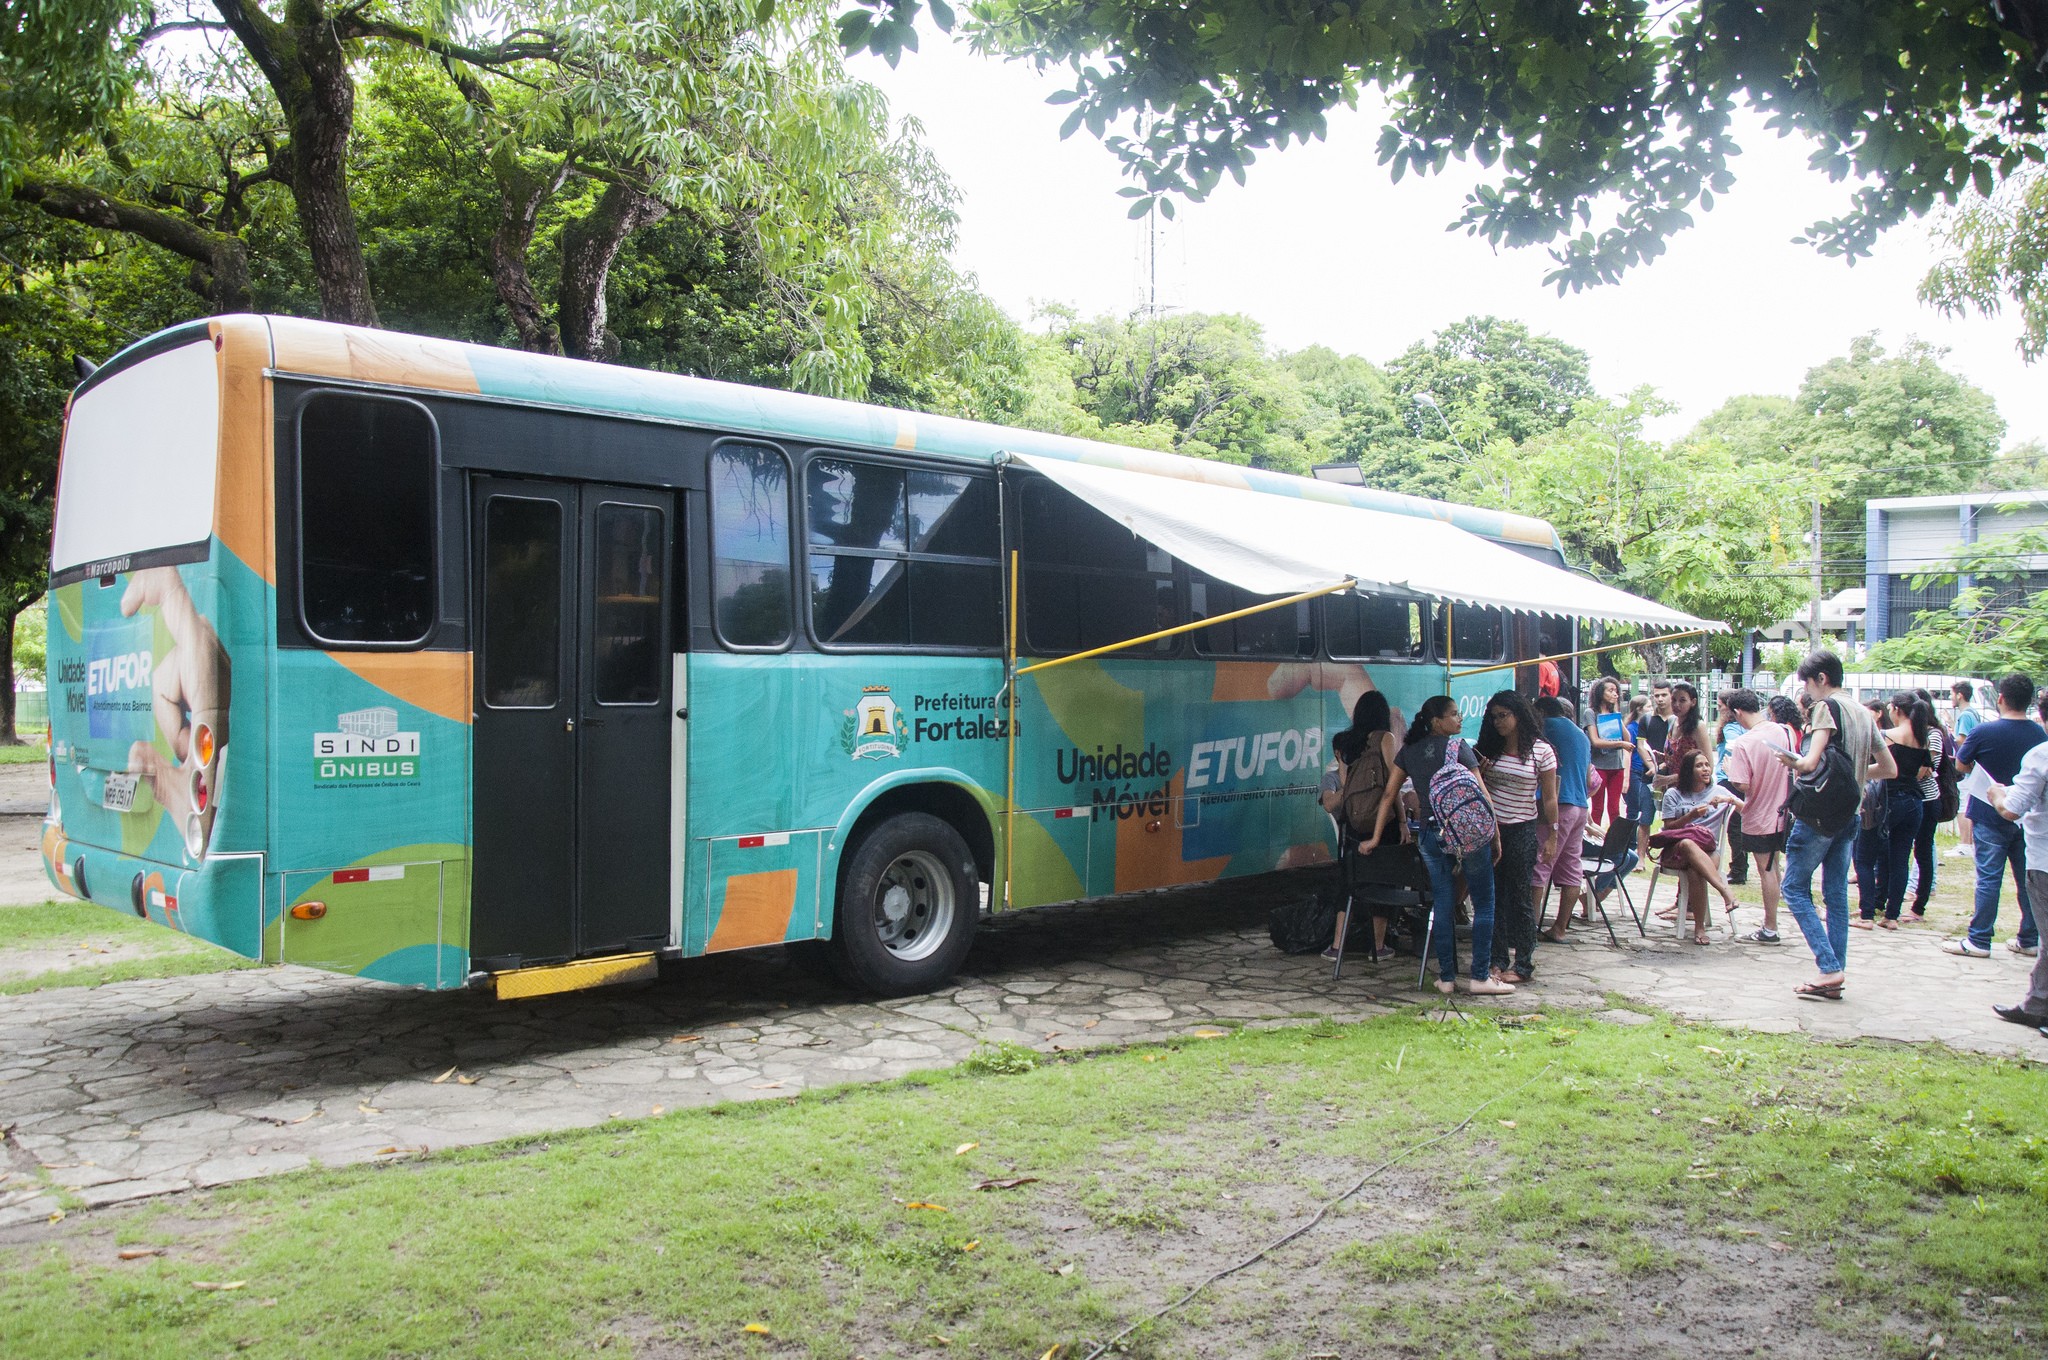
x: 521, y: 194
x: 7, y: 735
x: 220, y: 263
x: 588, y: 248
x: 307, y: 67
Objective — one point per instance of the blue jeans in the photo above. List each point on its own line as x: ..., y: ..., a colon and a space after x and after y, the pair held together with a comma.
x: 1478, y: 867
x: 1806, y: 849
x: 1999, y: 843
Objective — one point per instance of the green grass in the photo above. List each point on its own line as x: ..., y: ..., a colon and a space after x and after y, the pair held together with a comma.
x: 34, y: 753
x: 1902, y: 1176
x: 56, y: 923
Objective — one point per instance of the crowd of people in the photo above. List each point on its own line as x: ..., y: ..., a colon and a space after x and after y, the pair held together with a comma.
x: 1821, y: 787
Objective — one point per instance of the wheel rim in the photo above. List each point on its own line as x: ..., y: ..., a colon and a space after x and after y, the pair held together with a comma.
x: 914, y: 906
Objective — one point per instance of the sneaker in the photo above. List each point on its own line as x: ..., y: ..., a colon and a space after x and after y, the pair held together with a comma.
x: 2025, y: 951
x: 1966, y: 949
x: 1758, y: 936
x: 1960, y: 852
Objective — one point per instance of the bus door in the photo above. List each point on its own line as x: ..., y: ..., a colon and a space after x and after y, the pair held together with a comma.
x: 572, y: 732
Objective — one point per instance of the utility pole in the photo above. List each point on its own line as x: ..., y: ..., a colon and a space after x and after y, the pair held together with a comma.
x: 1813, y: 618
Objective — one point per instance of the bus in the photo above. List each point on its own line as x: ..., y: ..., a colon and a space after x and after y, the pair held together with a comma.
x: 445, y: 665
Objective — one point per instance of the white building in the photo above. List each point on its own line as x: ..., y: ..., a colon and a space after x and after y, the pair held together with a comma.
x: 1907, y: 536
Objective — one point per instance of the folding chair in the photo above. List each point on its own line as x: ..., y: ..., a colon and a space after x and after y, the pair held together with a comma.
x: 1614, y: 855
x: 1385, y: 878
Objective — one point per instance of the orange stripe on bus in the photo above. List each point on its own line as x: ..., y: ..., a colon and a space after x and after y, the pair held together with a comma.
x: 331, y: 351
x: 757, y: 910
x: 241, y: 512
x: 436, y: 681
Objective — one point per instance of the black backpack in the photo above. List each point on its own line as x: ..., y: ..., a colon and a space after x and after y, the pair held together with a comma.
x: 1829, y: 798
x: 1306, y: 922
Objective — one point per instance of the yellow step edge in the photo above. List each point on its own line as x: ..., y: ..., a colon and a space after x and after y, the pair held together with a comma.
x: 574, y: 977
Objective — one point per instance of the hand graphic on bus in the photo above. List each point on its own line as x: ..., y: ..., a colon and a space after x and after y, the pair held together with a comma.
x: 191, y: 703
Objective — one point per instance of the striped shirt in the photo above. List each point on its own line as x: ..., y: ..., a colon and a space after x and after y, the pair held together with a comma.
x: 1515, y: 783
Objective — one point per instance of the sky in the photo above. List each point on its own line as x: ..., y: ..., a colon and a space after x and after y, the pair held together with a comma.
x: 1320, y: 247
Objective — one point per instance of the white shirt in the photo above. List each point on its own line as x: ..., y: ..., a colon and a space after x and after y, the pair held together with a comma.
x: 2028, y: 795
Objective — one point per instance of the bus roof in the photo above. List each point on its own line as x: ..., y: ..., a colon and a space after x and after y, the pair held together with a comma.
x: 322, y: 349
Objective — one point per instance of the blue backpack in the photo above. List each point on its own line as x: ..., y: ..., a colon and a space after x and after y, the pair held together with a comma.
x: 1464, y: 819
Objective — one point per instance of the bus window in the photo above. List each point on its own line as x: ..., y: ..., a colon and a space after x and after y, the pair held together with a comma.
x: 626, y: 624
x: 750, y: 545
x: 522, y: 587
x: 366, y: 521
x: 1373, y: 628
x: 1476, y: 634
x: 1088, y: 581
x: 1277, y: 632
x: 902, y: 557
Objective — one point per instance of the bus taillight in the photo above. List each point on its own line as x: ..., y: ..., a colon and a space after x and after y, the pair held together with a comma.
x: 199, y: 790
x: 202, y: 743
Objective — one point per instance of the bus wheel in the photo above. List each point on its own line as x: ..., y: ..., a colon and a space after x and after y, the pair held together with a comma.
x: 907, y: 906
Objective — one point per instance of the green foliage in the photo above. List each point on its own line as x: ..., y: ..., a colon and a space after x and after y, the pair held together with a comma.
x: 1992, y: 628
x: 1689, y: 524
x: 1885, y: 424
x: 1603, y: 127
x: 1995, y: 251
x: 2021, y: 467
x: 31, y: 642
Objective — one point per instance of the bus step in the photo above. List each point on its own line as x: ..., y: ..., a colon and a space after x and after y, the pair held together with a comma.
x: 574, y: 977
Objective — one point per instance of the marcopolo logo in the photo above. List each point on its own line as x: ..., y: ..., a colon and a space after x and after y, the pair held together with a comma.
x: 369, y: 749
x: 874, y: 728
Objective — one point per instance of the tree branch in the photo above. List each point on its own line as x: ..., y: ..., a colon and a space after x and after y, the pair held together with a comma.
x: 222, y: 272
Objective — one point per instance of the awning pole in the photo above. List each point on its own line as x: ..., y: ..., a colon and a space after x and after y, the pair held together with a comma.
x: 1010, y: 793
x: 1585, y: 651
x: 1450, y: 642
x: 1344, y: 584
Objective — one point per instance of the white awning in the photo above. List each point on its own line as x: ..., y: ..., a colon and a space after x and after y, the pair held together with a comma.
x: 1280, y: 545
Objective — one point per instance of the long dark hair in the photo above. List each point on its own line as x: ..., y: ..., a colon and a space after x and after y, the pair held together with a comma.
x: 1369, y: 717
x: 1432, y: 708
x: 1916, y: 711
x: 1785, y: 711
x: 1490, y: 744
x: 1688, y: 782
x: 1605, y: 682
x: 1689, y: 725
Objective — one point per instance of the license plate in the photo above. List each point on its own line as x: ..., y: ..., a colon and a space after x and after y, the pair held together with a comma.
x: 120, y: 793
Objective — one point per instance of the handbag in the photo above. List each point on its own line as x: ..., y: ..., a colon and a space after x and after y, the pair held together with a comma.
x: 1827, y: 797
x: 1948, y: 800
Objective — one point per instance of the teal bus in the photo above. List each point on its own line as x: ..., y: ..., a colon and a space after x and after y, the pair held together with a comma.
x: 448, y: 666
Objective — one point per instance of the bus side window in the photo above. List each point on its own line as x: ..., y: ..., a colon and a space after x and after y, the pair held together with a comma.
x: 1088, y: 581
x: 750, y: 601
x: 1373, y: 628
x: 1277, y: 632
x: 366, y: 521
x: 901, y: 557
x: 1475, y: 634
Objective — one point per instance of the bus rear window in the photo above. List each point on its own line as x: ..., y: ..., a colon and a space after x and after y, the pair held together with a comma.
x: 366, y: 521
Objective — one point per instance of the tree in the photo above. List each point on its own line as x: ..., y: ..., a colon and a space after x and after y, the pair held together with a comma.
x: 1990, y: 629
x: 1689, y: 525
x: 2021, y: 467
x: 1994, y: 251
x: 1191, y: 382
x: 1614, y: 109
x: 1882, y: 424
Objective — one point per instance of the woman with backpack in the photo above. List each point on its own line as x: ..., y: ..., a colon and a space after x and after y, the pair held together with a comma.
x: 1520, y: 770
x: 1458, y: 832
x: 1365, y: 754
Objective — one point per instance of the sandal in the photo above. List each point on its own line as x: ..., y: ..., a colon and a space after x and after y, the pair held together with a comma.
x: 1818, y: 991
x: 1862, y: 923
x: 1554, y: 936
x: 1699, y: 937
x: 1888, y: 924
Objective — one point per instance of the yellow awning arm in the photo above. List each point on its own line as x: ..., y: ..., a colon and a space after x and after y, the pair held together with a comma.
x: 1583, y: 651
x: 1345, y: 584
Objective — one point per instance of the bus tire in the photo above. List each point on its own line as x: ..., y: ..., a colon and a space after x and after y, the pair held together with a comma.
x: 908, y: 906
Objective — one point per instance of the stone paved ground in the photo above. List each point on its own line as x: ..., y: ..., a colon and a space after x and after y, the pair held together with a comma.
x: 134, y: 1089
